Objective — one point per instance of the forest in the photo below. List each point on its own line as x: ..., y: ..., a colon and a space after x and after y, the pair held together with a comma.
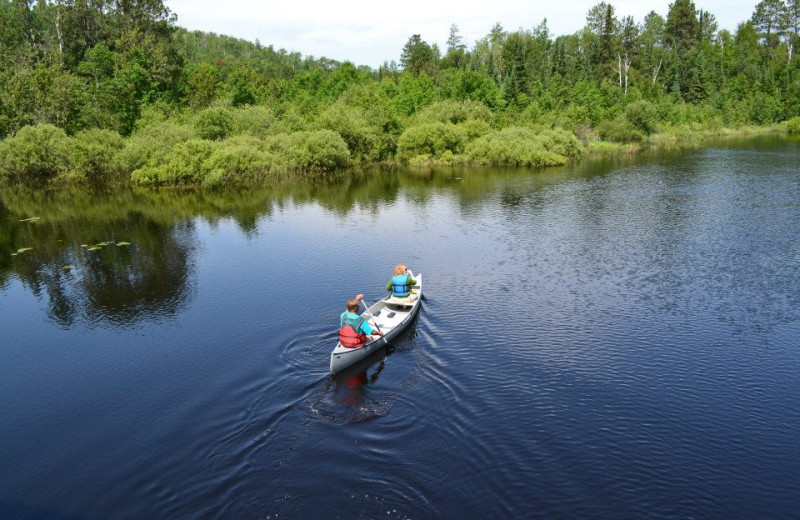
x: 93, y: 90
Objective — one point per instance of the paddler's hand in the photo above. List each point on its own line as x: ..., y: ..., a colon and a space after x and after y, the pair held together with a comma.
x: 359, y: 297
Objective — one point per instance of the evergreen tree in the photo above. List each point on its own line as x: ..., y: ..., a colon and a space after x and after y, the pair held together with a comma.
x: 771, y: 18
x: 682, y: 29
x: 604, y: 27
x: 456, y: 50
x: 418, y: 56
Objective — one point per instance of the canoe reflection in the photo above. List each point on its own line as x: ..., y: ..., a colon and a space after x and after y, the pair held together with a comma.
x: 351, y: 386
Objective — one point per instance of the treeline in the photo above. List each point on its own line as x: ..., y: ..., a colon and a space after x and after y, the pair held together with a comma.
x: 100, y: 88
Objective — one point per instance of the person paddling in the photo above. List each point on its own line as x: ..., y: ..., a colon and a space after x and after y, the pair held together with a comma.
x: 353, y: 329
x: 401, y: 282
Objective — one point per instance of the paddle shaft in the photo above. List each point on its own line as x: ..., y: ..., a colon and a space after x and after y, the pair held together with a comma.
x: 373, y: 316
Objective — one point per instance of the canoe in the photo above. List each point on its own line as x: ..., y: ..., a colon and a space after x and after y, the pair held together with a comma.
x: 391, y: 315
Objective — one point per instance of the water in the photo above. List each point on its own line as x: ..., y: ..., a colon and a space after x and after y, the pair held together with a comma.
x: 616, y: 340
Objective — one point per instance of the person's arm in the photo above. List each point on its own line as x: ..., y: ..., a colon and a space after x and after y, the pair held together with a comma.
x: 389, y: 285
x: 411, y: 281
x: 367, y: 329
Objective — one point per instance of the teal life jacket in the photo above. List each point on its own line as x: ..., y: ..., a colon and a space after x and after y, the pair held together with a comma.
x: 401, y: 286
x: 350, y: 333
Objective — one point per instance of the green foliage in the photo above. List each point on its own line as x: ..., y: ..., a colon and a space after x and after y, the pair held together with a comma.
x: 93, y: 154
x: 308, y: 151
x: 520, y: 146
x: 411, y: 93
x: 587, y: 95
x: 561, y: 142
x: 152, y: 144
x: 158, y: 112
x: 451, y: 111
x: 793, y: 125
x: 418, y: 57
x: 124, y: 67
x: 365, y: 140
x: 45, y: 95
x: 237, y: 160
x: 184, y: 164
x: 619, y: 129
x: 463, y: 85
x: 214, y: 123
x: 643, y: 116
x: 682, y: 28
x: 256, y: 121
x: 36, y: 152
x: 242, y: 86
x: 431, y: 139
x: 475, y: 128
x: 202, y: 84
x: 764, y: 109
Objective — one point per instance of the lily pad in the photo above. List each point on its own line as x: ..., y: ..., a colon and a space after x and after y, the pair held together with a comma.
x: 23, y: 249
x: 68, y: 267
x: 32, y: 219
x: 123, y: 243
x: 93, y: 248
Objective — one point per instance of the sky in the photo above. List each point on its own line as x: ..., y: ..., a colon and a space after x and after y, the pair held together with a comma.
x: 370, y: 33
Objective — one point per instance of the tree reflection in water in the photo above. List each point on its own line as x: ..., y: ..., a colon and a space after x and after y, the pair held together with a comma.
x: 151, y: 278
x: 118, y: 284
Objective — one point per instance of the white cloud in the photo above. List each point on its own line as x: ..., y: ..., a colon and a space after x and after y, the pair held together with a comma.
x: 370, y: 33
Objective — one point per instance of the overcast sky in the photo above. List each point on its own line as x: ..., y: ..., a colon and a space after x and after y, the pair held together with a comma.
x: 369, y: 32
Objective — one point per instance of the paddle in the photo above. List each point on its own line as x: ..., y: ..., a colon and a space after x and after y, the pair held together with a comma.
x: 373, y: 316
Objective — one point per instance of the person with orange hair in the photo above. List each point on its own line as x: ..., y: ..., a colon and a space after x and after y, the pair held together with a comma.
x: 401, y: 282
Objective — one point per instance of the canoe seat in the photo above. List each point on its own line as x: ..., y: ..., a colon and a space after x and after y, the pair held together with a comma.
x: 407, y: 300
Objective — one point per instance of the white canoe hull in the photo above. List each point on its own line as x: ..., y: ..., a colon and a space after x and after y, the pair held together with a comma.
x: 390, y: 317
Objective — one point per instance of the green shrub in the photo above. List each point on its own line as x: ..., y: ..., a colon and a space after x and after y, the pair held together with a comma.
x: 317, y: 150
x: 410, y: 93
x: 793, y: 125
x: 643, y: 116
x: 152, y: 144
x: 450, y: 111
x: 253, y: 120
x: 289, y: 123
x: 764, y: 109
x: 475, y: 128
x: 561, y: 142
x: 184, y: 165
x: 619, y: 129
x: 363, y: 139
x: 533, y: 114
x: 524, y: 147
x: 236, y: 161
x: 431, y: 139
x: 155, y: 113
x: 35, y: 153
x: 93, y: 154
x: 213, y: 123
x: 470, y: 84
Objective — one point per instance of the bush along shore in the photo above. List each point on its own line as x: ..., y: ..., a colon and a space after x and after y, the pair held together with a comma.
x: 114, y: 90
x: 223, y: 146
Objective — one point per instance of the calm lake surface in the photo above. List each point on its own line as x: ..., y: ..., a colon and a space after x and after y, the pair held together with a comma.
x: 619, y: 339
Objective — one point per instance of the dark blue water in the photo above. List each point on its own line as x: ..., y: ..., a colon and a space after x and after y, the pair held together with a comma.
x: 615, y: 340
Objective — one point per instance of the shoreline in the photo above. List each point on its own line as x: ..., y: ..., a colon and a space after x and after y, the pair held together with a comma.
x: 591, y: 149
